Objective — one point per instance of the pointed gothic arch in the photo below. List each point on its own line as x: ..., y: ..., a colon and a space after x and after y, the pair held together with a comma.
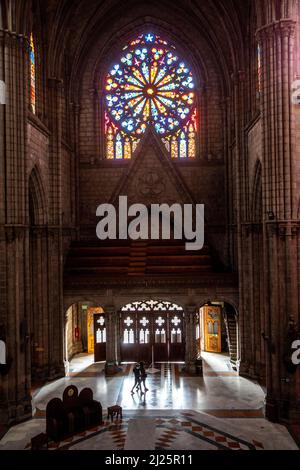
x: 37, y: 200
x: 256, y: 202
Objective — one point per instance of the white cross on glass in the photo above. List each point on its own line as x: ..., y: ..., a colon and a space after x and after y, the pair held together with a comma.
x: 160, y: 321
x: 101, y: 321
x: 176, y: 321
x: 128, y: 321
x: 144, y: 321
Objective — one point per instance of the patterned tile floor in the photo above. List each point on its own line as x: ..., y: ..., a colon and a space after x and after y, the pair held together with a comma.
x: 220, y: 411
x: 174, y: 430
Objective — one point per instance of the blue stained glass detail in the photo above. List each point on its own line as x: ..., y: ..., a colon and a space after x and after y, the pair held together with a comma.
x: 149, y: 38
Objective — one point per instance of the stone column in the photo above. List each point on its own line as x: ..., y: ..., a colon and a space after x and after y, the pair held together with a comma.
x: 75, y: 164
x: 55, y: 232
x: 281, y: 260
x: 15, y: 400
x: 118, y: 337
x: 39, y: 303
x: 239, y: 201
x: 190, y: 338
x: 111, y: 330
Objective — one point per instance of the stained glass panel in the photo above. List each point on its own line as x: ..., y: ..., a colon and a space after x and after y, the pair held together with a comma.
x: 259, y: 69
x: 32, y: 75
x: 150, y: 85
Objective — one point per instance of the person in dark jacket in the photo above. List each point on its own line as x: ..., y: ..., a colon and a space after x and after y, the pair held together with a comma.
x: 143, y: 376
x: 137, y: 379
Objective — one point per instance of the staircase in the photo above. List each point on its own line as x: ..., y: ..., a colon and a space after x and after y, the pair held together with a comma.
x: 231, y: 328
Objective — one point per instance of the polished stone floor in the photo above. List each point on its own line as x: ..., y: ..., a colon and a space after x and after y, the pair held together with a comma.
x: 169, y: 388
x: 180, y: 411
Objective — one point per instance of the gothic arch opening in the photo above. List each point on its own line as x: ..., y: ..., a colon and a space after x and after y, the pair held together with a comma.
x: 217, y: 331
x: 38, y: 265
x: 257, y: 320
x: 84, y: 334
x: 257, y: 193
x: 37, y: 201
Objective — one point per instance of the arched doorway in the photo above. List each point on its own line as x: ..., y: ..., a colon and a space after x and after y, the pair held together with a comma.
x: 85, y: 331
x: 217, y: 330
x: 96, y: 333
x: 152, y: 330
x: 38, y: 264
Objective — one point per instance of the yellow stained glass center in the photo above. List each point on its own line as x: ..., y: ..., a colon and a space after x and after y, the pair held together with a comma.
x: 150, y: 91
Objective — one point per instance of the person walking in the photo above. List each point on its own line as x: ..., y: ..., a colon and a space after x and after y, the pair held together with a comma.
x: 137, y: 380
x: 143, y: 376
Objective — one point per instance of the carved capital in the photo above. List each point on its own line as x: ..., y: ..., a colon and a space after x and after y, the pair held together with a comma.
x: 272, y: 229
x: 285, y: 28
x: 288, y: 229
x: 14, y: 233
x: 282, y: 230
x: 295, y: 229
x: 282, y: 28
x: 13, y: 40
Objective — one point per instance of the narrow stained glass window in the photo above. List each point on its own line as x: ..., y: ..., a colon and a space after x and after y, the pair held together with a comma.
x: 32, y: 75
x: 119, y: 147
x: 182, y: 147
x: 150, y: 85
x: 259, y: 69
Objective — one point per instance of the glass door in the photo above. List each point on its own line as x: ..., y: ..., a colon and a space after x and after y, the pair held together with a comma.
x: 129, y: 345
x: 176, y: 336
x: 99, y: 338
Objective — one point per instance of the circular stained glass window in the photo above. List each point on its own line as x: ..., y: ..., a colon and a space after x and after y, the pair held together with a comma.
x: 150, y: 84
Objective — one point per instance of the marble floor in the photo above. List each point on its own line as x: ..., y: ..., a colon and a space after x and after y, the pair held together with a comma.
x: 217, y: 411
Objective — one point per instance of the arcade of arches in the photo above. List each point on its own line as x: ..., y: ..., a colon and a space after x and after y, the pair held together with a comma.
x: 183, y: 102
x: 152, y: 331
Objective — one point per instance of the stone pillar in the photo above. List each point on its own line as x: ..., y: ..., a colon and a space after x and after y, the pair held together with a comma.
x: 239, y: 201
x: 281, y: 237
x: 75, y: 164
x: 15, y: 400
x: 111, y: 333
x: 39, y: 314
x: 118, y: 337
x: 190, y: 338
x: 55, y: 232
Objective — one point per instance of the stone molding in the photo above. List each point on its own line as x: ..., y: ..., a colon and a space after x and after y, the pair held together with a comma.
x: 283, y: 28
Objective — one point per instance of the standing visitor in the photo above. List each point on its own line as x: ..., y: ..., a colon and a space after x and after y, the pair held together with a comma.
x: 137, y: 381
x: 143, y: 376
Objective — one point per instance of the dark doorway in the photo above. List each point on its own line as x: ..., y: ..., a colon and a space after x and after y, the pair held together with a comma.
x: 99, y: 337
x: 152, y: 327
